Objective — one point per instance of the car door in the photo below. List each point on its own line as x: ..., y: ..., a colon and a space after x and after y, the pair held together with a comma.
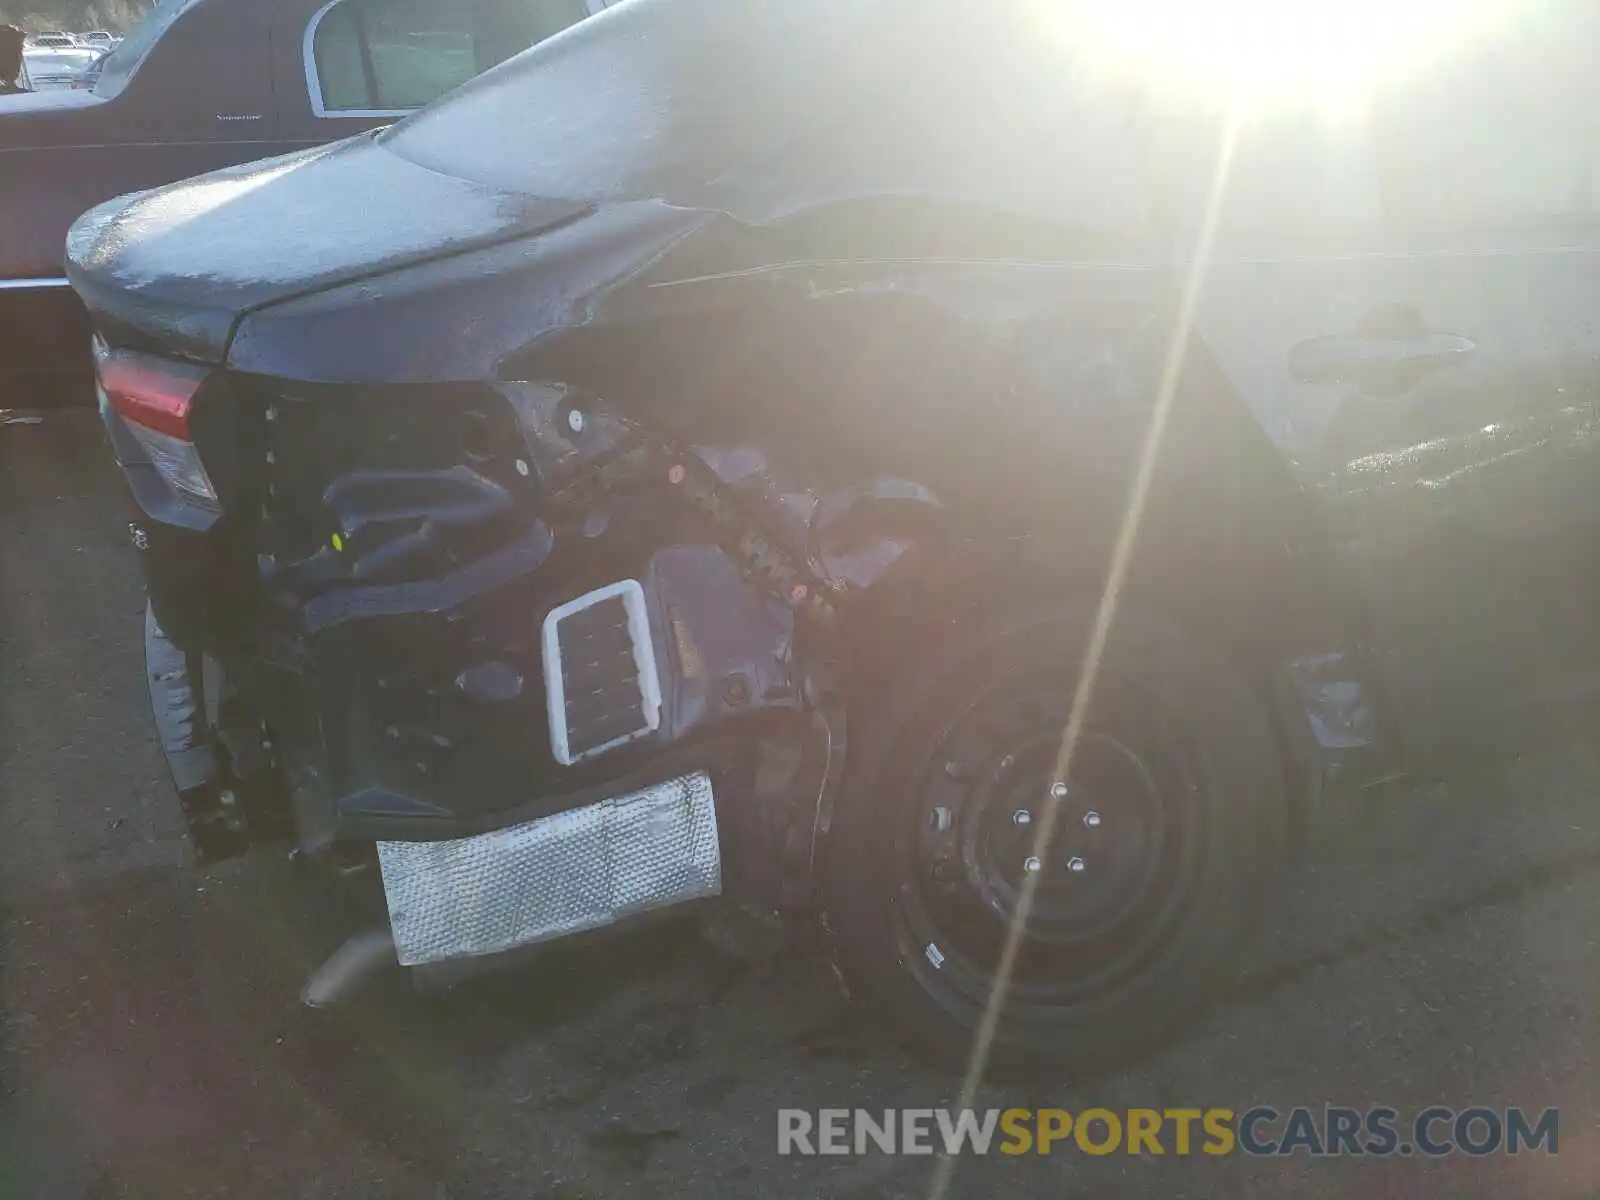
x: 205, y: 82
x: 351, y: 65
x: 1487, y: 164
x: 188, y: 92
x: 1406, y: 298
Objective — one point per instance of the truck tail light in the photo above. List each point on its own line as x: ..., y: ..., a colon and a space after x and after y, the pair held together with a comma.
x: 154, y: 397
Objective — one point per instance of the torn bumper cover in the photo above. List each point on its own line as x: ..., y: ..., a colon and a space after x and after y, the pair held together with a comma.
x: 569, y: 873
x: 518, y: 762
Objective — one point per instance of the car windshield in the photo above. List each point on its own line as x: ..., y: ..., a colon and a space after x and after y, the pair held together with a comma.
x: 124, y: 61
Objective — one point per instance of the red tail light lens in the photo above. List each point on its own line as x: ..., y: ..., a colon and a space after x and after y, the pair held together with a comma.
x: 154, y: 397
x: 149, y: 392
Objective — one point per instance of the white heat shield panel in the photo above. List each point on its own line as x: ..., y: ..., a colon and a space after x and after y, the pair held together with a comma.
x: 557, y: 875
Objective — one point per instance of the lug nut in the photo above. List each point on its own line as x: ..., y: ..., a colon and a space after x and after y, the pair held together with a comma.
x: 1022, y: 817
x: 1091, y: 820
x: 1075, y: 864
x: 1032, y: 863
x: 1058, y: 791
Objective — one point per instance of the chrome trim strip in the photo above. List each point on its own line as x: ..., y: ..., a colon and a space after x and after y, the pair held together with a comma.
x: 167, y: 145
x: 367, y: 114
x: 308, y: 55
x: 309, y: 58
x: 26, y: 285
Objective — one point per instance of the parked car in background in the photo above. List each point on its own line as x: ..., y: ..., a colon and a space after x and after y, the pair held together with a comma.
x: 87, y: 78
x: 201, y: 84
x: 559, y: 476
x: 57, y: 70
x: 99, y: 38
x: 54, y: 40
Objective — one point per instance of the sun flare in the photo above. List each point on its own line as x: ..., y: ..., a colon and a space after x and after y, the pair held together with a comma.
x: 1259, y: 50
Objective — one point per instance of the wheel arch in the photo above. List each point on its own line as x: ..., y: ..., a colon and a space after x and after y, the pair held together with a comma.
x: 1229, y: 546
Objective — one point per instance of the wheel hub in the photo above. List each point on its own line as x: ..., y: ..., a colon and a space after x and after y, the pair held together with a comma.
x: 1085, y: 851
x: 1075, y: 861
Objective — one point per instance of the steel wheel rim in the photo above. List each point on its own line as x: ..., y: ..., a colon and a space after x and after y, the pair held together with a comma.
x: 1091, y: 929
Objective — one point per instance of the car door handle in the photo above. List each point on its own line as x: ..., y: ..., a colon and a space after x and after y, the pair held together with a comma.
x: 1366, y: 359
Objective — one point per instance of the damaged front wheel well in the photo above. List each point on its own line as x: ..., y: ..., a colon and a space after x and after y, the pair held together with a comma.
x: 1263, y: 602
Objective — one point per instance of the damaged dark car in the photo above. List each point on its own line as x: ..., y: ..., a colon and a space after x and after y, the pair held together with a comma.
x: 858, y: 470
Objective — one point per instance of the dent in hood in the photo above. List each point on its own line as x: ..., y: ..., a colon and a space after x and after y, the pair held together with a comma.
x: 181, y: 263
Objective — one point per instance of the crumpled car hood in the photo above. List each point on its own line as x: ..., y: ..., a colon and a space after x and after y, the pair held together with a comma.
x: 181, y: 264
